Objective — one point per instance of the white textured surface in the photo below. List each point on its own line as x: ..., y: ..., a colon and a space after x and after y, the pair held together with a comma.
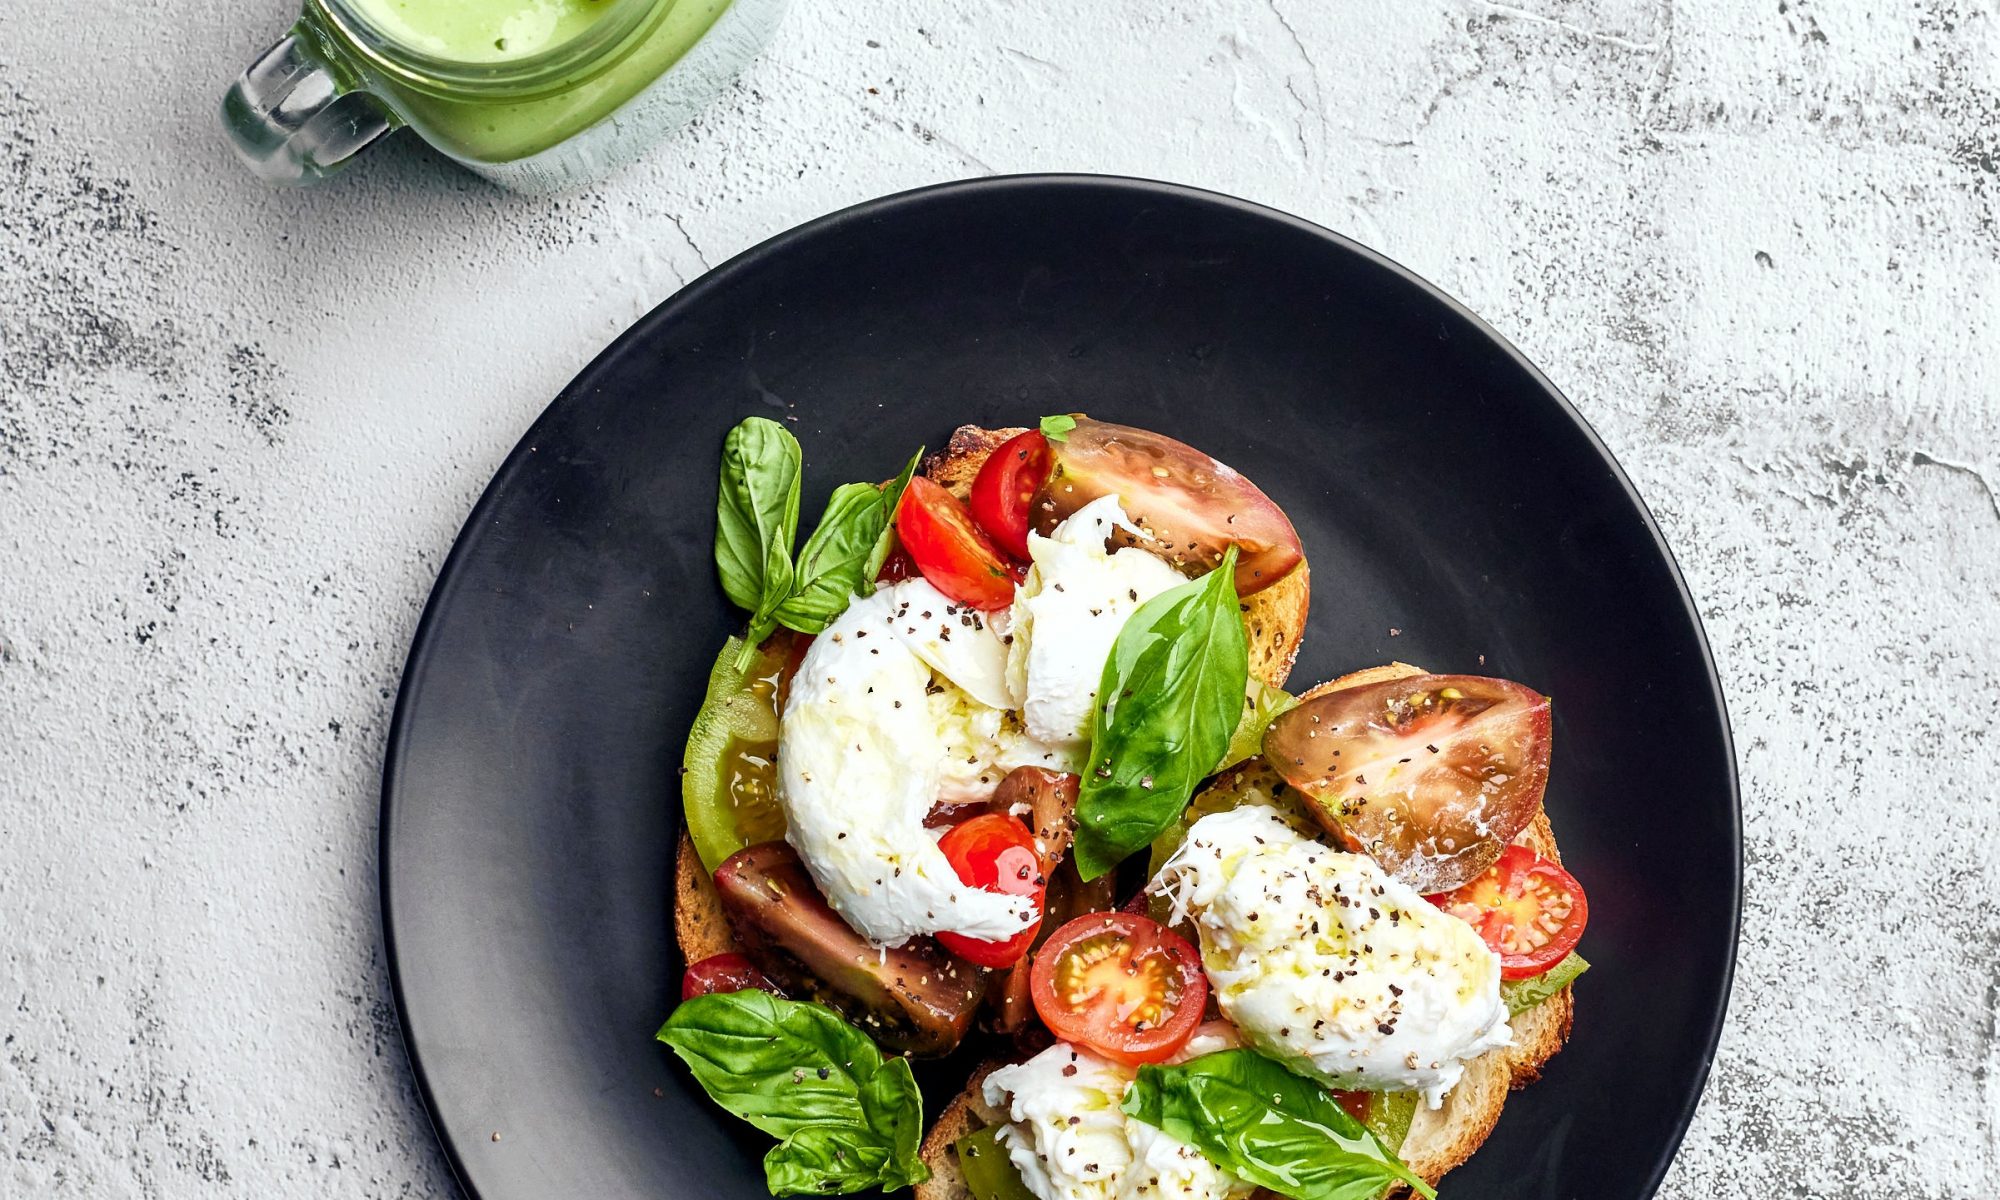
x: 1754, y: 241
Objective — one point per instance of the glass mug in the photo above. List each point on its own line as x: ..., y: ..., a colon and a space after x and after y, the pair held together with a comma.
x: 533, y: 94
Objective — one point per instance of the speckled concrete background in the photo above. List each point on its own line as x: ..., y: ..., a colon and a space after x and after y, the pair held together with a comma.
x: 1755, y: 242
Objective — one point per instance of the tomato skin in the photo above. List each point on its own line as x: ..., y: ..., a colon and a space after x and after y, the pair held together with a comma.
x: 1120, y: 984
x: 995, y: 852
x: 1430, y: 775
x: 1192, y: 507
x: 722, y: 973
x: 950, y: 550
x: 1006, y: 483
x: 913, y: 998
x: 1509, y: 904
x: 1049, y: 799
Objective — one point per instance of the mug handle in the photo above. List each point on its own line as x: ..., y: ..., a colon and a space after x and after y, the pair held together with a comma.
x: 293, y: 117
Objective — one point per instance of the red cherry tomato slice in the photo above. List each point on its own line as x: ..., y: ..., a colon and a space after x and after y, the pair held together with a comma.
x: 1121, y: 984
x: 722, y: 973
x: 1527, y: 909
x: 949, y: 548
x: 1006, y: 483
x: 995, y: 852
x: 897, y: 567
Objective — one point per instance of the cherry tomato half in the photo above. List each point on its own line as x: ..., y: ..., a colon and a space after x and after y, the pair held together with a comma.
x: 995, y: 852
x: 950, y: 550
x: 1006, y: 483
x: 1528, y: 909
x: 722, y: 973
x: 1121, y: 984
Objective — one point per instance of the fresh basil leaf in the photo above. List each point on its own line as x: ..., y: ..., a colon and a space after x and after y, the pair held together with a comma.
x: 846, y: 1119
x: 989, y: 1173
x: 1268, y: 1126
x: 1057, y: 428
x: 1170, y: 696
x: 820, y: 1160
x: 1261, y: 705
x: 1524, y: 994
x: 834, y: 560
x: 756, y: 518
x: 885, y: 542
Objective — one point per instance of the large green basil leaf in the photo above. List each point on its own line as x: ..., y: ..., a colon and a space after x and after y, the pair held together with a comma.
x: 834, y: 561
x: 1268, y: 1126
x: 846, y: 1118
x: 885, y: 542
x: 1168, y: 700
x: 756, y: 518
x: 1524, y: 994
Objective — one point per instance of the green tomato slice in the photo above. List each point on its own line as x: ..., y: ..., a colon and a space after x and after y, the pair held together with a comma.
x: 1389, y: 1117
x: 729, y: 773
x: 989, y: 1173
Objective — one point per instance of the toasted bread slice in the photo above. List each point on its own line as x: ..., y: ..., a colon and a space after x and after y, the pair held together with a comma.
x: 1274, y: 619
x: 1440, y: 1138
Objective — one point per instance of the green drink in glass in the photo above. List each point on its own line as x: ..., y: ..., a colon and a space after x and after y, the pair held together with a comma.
x: 533, y: 94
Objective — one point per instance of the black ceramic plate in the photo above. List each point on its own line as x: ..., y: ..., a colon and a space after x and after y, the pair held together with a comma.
x: 1456, y: 511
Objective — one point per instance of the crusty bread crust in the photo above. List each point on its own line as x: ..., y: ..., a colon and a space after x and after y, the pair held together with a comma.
x: 699, y: 924
x: 1274, y: 621
x: 957, y: 465
x: 1439, y: 1139
x: 967, y: 1112
x: 1362, y: 678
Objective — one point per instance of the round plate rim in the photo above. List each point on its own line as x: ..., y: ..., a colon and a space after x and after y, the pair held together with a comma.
x: 883, y: 206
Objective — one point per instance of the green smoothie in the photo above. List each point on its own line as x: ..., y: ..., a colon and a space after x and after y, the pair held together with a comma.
x: 482, y: 31
x: 524, y: 113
